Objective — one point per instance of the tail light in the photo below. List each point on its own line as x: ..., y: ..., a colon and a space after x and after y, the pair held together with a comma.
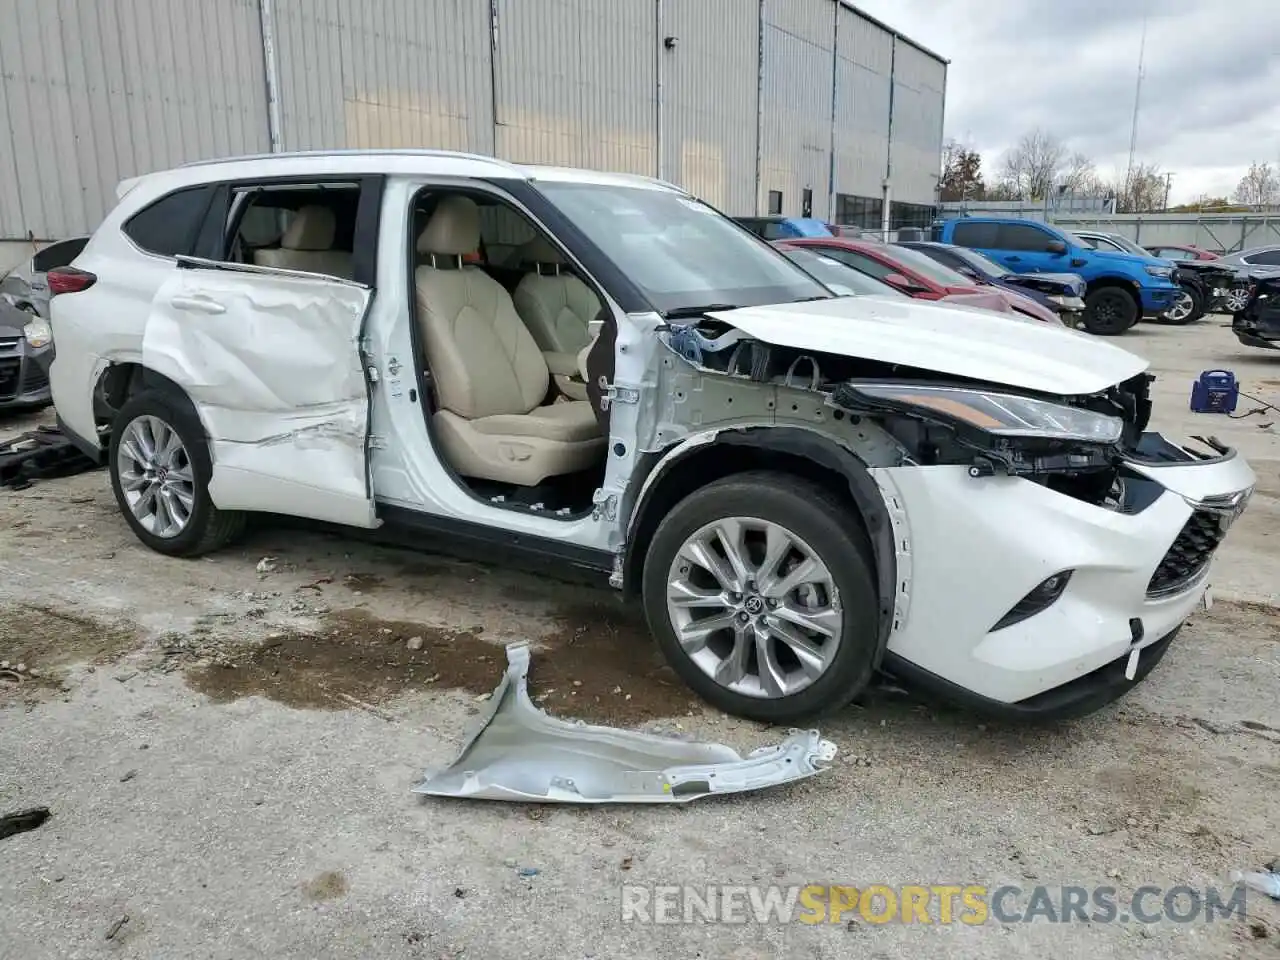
x: 69, y: 280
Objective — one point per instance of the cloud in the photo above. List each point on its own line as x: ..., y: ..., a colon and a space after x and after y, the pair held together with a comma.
x: 1208, y: 104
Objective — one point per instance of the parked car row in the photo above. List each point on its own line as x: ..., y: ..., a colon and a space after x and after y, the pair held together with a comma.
x: 800, y: 488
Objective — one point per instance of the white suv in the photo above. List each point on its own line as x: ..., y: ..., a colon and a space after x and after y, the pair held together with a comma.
x: 601, y: 371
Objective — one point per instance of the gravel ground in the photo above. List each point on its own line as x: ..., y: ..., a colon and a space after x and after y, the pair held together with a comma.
x: 227, y: 747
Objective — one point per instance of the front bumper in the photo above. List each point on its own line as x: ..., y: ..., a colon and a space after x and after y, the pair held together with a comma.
x: 1156, y: 300
x: 24, y: 373
x: 971, y: 548
x: 1068, y: 304
x: 1254, y: 331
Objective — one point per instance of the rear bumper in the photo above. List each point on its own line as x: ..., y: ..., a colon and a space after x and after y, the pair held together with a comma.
x: 975, y: 547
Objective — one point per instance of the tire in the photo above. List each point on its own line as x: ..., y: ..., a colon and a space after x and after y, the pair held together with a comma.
x: 1189, y: 309
x: 819, y: 525
x: 206, y: 527
x: 1110, y: 311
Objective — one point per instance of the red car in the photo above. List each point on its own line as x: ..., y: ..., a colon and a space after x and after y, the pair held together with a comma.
x: 919, y: 276
x: 1180, y: 251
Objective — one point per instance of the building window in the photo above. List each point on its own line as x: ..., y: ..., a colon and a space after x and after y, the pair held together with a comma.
x: 806, y: 203
x: 911, y: 215
x: 775, y: 203
x: 854, y: 211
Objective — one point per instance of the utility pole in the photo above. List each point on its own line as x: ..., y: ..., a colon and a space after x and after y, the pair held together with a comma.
x: 1168, y: 181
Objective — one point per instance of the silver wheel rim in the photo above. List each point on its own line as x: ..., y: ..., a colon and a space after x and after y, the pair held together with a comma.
x: 155, y: 476
x: 1235, y: 301
x: 754, y: 607
x: 1181, y: 308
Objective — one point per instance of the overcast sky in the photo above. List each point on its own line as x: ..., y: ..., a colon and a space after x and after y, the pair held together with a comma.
x: 1210, y: 94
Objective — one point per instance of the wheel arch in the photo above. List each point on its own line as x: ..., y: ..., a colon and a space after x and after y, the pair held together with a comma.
x: 674, y: 473
x: 122, y: 380
x: 1113, y: 280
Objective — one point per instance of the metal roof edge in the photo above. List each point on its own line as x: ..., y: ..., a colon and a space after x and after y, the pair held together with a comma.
x: 850, y: 5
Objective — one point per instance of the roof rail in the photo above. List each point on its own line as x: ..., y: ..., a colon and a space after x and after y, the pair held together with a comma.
x: 396, y: 152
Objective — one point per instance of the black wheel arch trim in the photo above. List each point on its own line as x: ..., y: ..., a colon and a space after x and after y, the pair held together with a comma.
x: 804, y: 444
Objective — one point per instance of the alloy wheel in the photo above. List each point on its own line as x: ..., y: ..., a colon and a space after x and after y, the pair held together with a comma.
x: 1181, y: 308
x: 156, y: 477
x: 1237, y: 299
x: 754, y: 607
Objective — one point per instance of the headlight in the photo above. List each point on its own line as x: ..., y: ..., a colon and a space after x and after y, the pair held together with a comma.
x: 1164, y: 273
x: 1002, y: 414
x: 38, y: 333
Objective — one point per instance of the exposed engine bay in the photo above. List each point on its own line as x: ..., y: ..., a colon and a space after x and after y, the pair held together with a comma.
x: 1076, y: 445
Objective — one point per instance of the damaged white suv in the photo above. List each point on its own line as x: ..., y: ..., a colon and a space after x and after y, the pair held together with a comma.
x: 601, y: 371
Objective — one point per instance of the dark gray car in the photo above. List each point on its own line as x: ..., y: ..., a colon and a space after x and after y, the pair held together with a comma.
x: 26, y: 286
x: 25, y: 351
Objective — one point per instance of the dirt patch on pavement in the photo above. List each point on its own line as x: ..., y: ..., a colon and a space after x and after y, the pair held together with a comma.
x: 42, y: 640
x: 354, y: 656
x: 600, y: 665
x: 325, y: 886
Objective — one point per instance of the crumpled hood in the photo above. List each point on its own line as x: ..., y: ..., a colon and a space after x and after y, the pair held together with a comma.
x: 1007, y: 349
x: 1071, y: 283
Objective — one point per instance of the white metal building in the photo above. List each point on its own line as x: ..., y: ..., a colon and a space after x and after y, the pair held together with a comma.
x: 758, y: 106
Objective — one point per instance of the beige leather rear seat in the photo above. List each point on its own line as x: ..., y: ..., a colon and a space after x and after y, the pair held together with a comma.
x: 490, y: 376
x: 307, y: 245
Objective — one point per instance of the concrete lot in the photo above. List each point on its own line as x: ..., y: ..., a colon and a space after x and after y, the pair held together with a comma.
x: 228, y: 753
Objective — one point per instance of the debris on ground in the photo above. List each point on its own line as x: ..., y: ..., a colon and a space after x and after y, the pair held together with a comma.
x: 520, y: 753
x: 116, y: 927
x: 22, y: 821
x: 1267, y: 882
x: 266, y: 564
x: 41, y: 454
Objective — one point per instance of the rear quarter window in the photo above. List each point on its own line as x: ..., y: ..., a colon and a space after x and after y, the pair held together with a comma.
x: 168, y: 227
x: 975, y: 234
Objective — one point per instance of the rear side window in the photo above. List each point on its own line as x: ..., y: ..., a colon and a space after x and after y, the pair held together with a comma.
x: 168, y: 227
x: 975, y: 235
x: 1022, y: 236
x: 1268, y: 257
x: 868, y: 265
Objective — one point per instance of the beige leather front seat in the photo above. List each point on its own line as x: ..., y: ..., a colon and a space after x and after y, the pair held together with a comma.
x: 307, y: 245
x: 490, y: 377
x: 556, y: 307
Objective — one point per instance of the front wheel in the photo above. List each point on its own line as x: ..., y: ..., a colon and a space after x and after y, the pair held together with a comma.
x: 1109, y: 311
x: 1187, y: 307
x: 160, y: 470
x: 760, y: 592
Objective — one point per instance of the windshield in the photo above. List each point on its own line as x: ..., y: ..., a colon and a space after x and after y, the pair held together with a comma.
x: 927, y: 267
x: 841, y: 278
x: 678, y: 251
x: 981, y: 263
x: 1125, y: 244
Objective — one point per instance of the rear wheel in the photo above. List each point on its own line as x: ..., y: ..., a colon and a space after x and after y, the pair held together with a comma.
x: 1110, y: 311
x: 760, y: 592
x: 160, y: 470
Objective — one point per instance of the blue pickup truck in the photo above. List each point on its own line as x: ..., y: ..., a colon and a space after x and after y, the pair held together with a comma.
x: 1121, y: 288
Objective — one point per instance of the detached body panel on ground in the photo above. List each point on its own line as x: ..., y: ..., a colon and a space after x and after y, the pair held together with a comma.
x: 800, y: 488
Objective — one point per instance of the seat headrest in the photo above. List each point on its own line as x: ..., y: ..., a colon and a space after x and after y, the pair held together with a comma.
x: 454, y: 228
x: 312, y: 228
x: 539, y: 250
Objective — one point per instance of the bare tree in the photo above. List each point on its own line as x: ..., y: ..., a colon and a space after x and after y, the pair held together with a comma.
x: 1030, y: 168
x: 1144, y: 192
x: 1259, y: 187
x: 1080, y: 177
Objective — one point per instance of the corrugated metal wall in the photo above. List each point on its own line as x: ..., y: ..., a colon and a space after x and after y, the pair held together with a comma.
x: 710, y: 96
x: 575, y: 83
x: 93, y: 91
x: 795, y: 139
x: 864, y: 59
x: 918, y: 84
x: 384, y: 73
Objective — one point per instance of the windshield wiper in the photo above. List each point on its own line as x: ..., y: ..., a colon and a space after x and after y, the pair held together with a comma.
x: 681, y: 313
